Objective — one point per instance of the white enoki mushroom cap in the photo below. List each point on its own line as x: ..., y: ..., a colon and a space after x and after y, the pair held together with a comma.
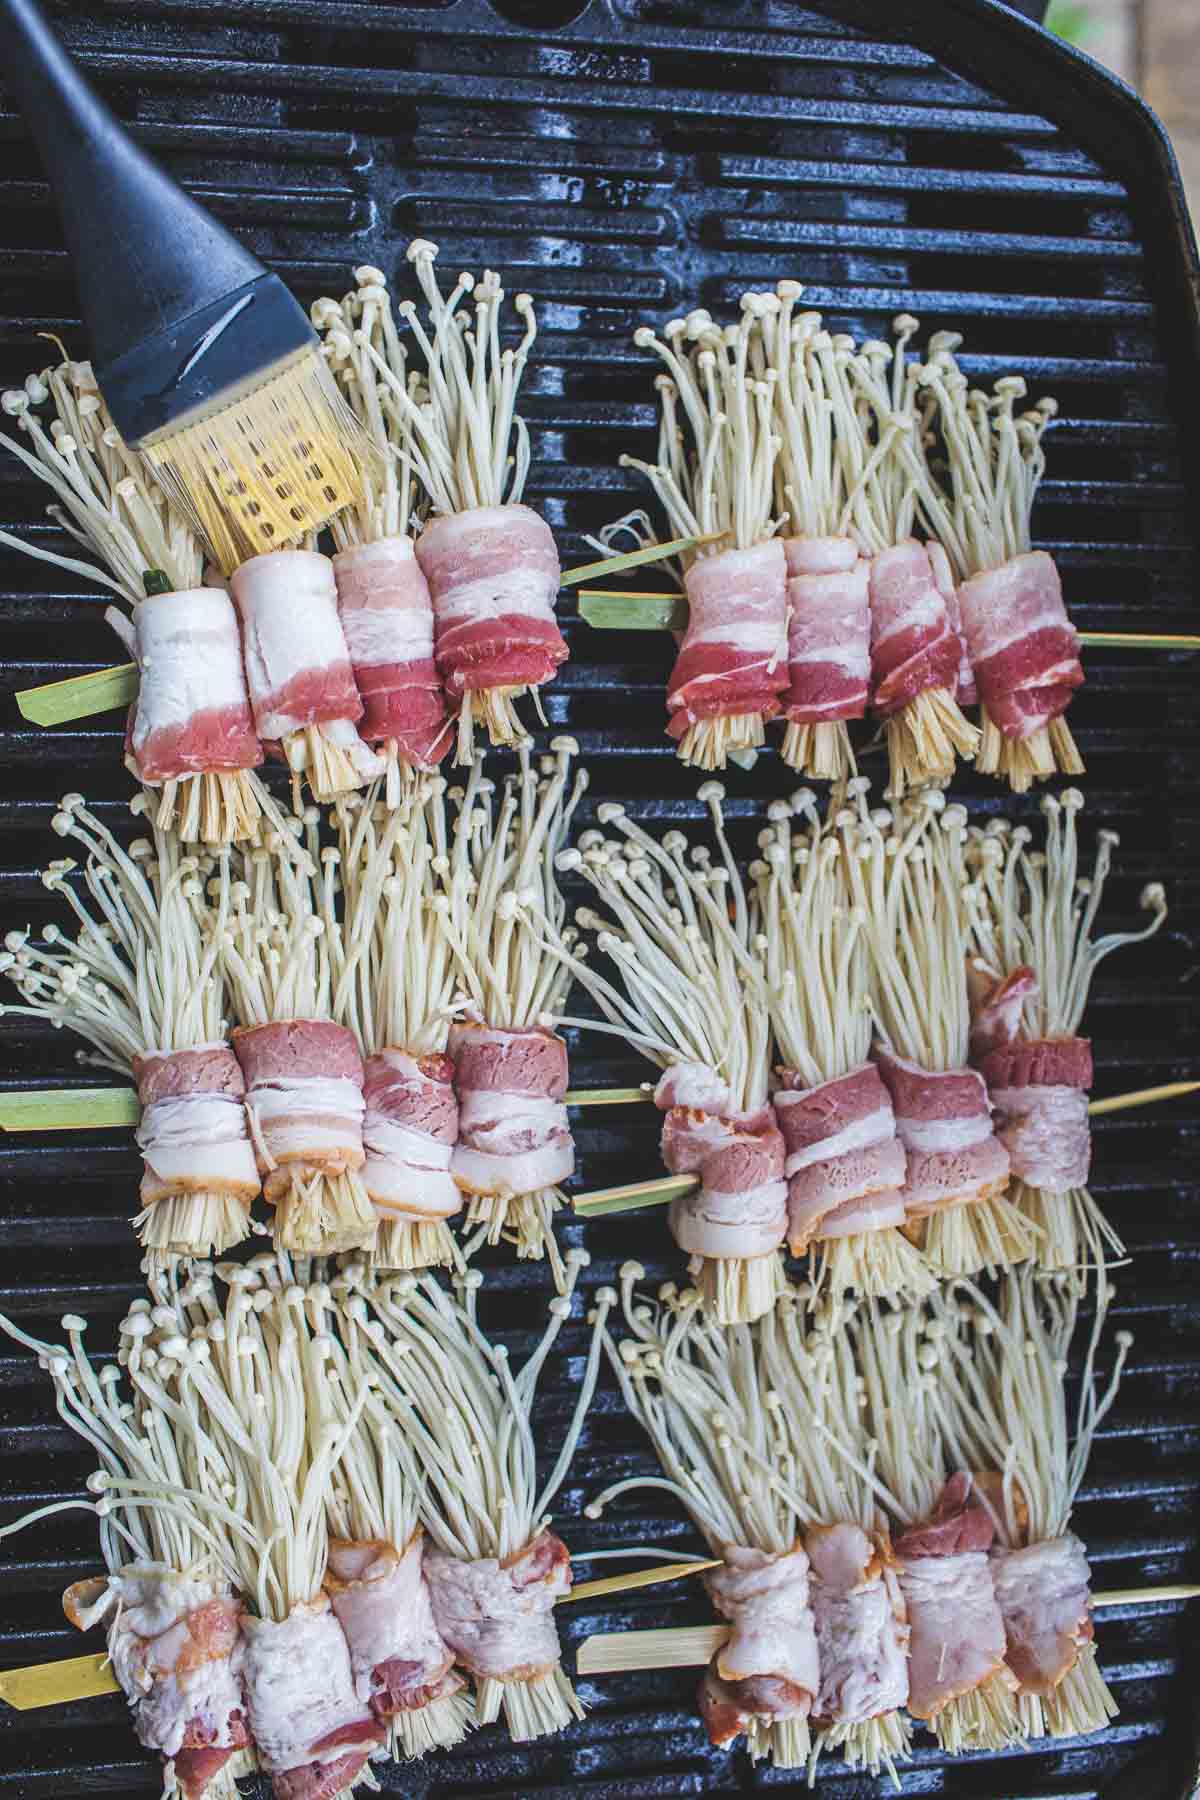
x: 1031, y: 906
x: 104, y: 496
x: 140, y: 974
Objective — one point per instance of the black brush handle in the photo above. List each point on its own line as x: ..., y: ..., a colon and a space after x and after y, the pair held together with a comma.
x: 157, y: 276
x: 145, y: 255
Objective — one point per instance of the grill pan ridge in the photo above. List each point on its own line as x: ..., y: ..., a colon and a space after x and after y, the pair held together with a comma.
x: 620, y: 162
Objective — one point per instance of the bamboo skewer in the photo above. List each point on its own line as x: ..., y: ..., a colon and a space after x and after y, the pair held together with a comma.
x: 694, y: 1646
x: 103, y: 1109
x: 84, y: 1677
x: 612, y: 609
x: 104, y: 690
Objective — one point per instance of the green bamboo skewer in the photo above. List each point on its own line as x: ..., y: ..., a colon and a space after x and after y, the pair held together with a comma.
x: 612, y: 609
x: 105, y: 690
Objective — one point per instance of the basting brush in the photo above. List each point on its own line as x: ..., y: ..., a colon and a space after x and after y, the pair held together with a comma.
x: 207, y: 363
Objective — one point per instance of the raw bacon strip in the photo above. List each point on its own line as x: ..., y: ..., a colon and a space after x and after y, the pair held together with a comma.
x: 829, y: 630
x: 739, y: 1210
x: 768, y: 1665
x: 862, y: 1625
x: 493, y: 573
x: 1039, y: 1089
x: 913, y: 647
x: 514, y: 1133
x: 842, y: 1149
x: 1044, y: 1595
x: 297, y: 663
x: 409, y: 1133
x: 498, y: 1617
x: 387, y: 616
x: 304, y: 1094
x: 996, y: 1008
x: 957, y: 1632
x: 192, y: 712
x: 965, y: 690
x: 177, y: 1650
x: 733, y: 659
x: 944, y: 1122
x: 310, y: 1727
x: 1024, y: 647
x: 193, y: 1134
x: 398, y: 1659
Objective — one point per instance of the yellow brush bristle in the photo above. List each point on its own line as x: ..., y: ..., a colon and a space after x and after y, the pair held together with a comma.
x: 277, y: 461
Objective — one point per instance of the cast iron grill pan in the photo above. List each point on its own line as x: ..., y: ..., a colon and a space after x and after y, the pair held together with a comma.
x: 620, y: 166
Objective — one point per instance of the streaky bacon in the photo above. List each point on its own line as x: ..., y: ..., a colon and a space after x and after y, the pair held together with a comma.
x: 913, y: 647
x: 493, y: 575
x: 957, y: 1633
x: 996, y: 1007
x: 727, y: 1708
x: 733, y: 658
x: 944, y: 1122
x: 297, y: 663
x: 966, y: 692
x: 409, y: 1133
x: 1044, y: 1594
x: 387, y: 616
x: 829, y: 630
x: 739, y: 1209
x: 1024, y: 647
x: 514, y: 1131
x: 842, y: 1150
x: 304, y: 1082
x: 862, y: 1625
x: 192, y: 712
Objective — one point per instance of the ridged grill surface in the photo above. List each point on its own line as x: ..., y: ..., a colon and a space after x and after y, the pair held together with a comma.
x: 622, y: 167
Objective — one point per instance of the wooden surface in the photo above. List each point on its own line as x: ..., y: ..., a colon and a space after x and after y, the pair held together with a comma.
x: 1155, y: 45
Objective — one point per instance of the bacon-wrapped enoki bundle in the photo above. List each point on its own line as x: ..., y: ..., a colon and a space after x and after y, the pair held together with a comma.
x: 906, y: 871
x: 383, y: 596
x: 718, y: 477
x: 176, y: 1647
x: 812, y: 1385
x: 1023, y: 647
x: 396, y: 992
x: 298, y: 669
x: 173, y: 1620
x: 274, y: 928
x: 1001, y: 1371
x: 463, y: 1438
x: 190, y: 739
x: 916, y: 653
x: 699, y: 1393
x: 959, y: 1682
x: 503, y: 919
x: 491, y: 563
x: 140, y: 984
x: 694, y: 1002
x: 1032, y: 917
x: 822, y: 458
x: 845, y: 1163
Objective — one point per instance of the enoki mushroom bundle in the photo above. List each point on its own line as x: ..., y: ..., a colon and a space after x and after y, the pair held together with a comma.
x: 715, y: 475
x: 1032, y: 914
x: 395, y: 991
x: 846, y: 1165
x: 490, y: 561
x: 916, y: 652
x: 501, y: 912
x: 272, y: 918
x: 1003, y: 1369
x: 191, y: 739
x: 905, y: 872
x: 692, y: 997
x: 383, y: 596
x: 463, y: 1436
x: 1023, y: 649
x: 740, y: 1418
x: 141, y: 983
